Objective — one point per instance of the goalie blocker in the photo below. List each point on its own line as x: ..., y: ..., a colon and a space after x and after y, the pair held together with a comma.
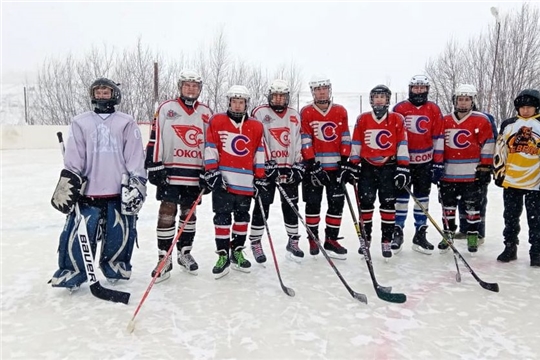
x: 68, y: 191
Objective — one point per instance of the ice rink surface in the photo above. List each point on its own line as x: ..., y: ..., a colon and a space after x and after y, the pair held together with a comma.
x: 247, y: 316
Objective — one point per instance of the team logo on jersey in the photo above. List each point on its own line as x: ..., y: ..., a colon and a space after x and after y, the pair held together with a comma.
x: 293, y: 119
x: 525, y: 141
x: 234, y: 144
x: 379, y: 139
x: 190, y: 135
x: 171, y: 114
x: 417, y: 124
x: 457, y: 138
x: 325, y: 131
x: 267, y: 119
x: 282, y: 135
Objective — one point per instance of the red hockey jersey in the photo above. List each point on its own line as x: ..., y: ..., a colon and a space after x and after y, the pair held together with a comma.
x: 325, y: 135
x: 379, y: 141
x: 425, y: 135
x: 467, y: 143
x: 236, y: 150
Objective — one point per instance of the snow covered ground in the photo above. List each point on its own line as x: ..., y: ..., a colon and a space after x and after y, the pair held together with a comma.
x: 247, y: 316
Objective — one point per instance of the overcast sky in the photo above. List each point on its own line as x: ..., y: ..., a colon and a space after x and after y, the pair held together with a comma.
x: 358, y: 45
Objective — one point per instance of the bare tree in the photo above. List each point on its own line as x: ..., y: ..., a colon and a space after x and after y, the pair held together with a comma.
x: 218, y: 59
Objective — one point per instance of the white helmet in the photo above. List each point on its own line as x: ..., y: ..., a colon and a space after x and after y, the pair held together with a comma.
x: 279, y: 86
x: 419, y: 80
x: 465, y: 90
x: 238, y: 92
x: 189, y: 76
x: 319, y: 80
x: 421, y: 98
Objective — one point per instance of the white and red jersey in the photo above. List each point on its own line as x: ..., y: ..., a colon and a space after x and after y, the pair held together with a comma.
x: 325, y: 134
x: 236, y: 149
x: 281, y: 134
x: 425, y: 135
x: 177, y: 140
x: 467, y: 143
x: 378, y: 141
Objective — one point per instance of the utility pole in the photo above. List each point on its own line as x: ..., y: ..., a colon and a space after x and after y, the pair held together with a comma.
x: 495, y: 13
x: 26, y: 106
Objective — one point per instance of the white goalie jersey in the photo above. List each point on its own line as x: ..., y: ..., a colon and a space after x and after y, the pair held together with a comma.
x: 281, y: 134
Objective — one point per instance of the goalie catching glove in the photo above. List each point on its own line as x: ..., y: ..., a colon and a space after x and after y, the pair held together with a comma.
x: 133, y: 194
x: 69, y: 189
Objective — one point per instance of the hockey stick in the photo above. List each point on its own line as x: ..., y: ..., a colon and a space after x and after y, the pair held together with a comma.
x: 84, y: 242
x: 285, y: 289
x: 488, y: 286
x: 383, y: 292
x: 131, y: 324
x: 357, y: 296
x: 447, y: 224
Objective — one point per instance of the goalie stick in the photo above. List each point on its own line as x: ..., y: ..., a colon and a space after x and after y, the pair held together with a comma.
x: 86, y: 251
x: 488, y: 286
x: 383, y: 292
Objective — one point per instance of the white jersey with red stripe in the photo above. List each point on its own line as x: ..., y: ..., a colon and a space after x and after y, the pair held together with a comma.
x: 236, y: 149
x: 379, y: 141
x: 468, y: 142
x: 325, y: 134
x: 177, y: 140
x: 281, y: 134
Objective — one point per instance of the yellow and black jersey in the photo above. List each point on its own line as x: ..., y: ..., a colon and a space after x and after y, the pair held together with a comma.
x: 517, y: 153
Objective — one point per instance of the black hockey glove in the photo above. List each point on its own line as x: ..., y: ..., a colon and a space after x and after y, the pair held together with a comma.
x: 157, y: 175
x: 402, y: 177
x: 298, y: 172
x: 271, y: 170
x: 212, y: 180
x: 68, y: 190
x: 437, y: 172
x: 319, y: 177
x: 483, y: 175
x: 348, y: 172
x: 260, y: 185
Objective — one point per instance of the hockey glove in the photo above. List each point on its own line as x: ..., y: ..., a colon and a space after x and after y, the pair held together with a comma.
x: 133, y: 194
x: 402, y: 177
x: 259, y: 185
x: 212, y: 180
x: 348, y: 172
x: 271, y: 170
x: 285, y: 176
x: 68, y: 190
x: 298, y: 172
x: 437, y: 172
x: 158, y: 175
x: 319, y: 177
x: 483, y: 175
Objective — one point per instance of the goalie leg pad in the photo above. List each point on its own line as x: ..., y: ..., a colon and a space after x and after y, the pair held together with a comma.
x: 71, y: 271
x: 68, y: 190
x: 117, y: 246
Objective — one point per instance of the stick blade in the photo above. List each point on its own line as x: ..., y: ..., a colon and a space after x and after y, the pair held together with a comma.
x: 360, y: 297
x: 131, y: 326
x: 397, y: 298
x: 490, y: 286
x: 108, y: 294
x: 288, y: 291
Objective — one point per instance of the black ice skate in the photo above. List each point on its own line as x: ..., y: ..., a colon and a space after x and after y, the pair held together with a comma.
x: 443, y: 245
x: 334, y: 249
x: 240, y: 263
x: 186, y: 260
x: 509, y: 253
x: 165, y: 272
x: 420, y: 242
x: 398, y: 240
x: 386, y: 249
x: 222, y: 266
x: 258, y: 253
x: 368, y: 245
x: 293, y: 251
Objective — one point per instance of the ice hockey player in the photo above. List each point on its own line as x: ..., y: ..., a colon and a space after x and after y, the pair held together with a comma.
x: 326, y: 145
x: 234, y: 156
x: 379, y: 148
x: 284, y: 164
x: 174, y: 160
x: 517, y: 170
x: 425, y: 138
x: 468, y: 160
x: 104, y: 176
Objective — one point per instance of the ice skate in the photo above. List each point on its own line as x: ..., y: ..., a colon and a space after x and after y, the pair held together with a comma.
x: 335, y: 250
x: 294, y: 253
x: 187, y: 262
x: 420, y: 243
x: 397, y: 243
x: 166, y: 270
x: 238, y: 260
x: 222, y: 266
x: 258, y: 253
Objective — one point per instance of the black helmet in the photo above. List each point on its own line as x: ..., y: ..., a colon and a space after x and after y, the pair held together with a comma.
x: 106, y: 105
x: 380, y: 110
x: 528, y: 97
